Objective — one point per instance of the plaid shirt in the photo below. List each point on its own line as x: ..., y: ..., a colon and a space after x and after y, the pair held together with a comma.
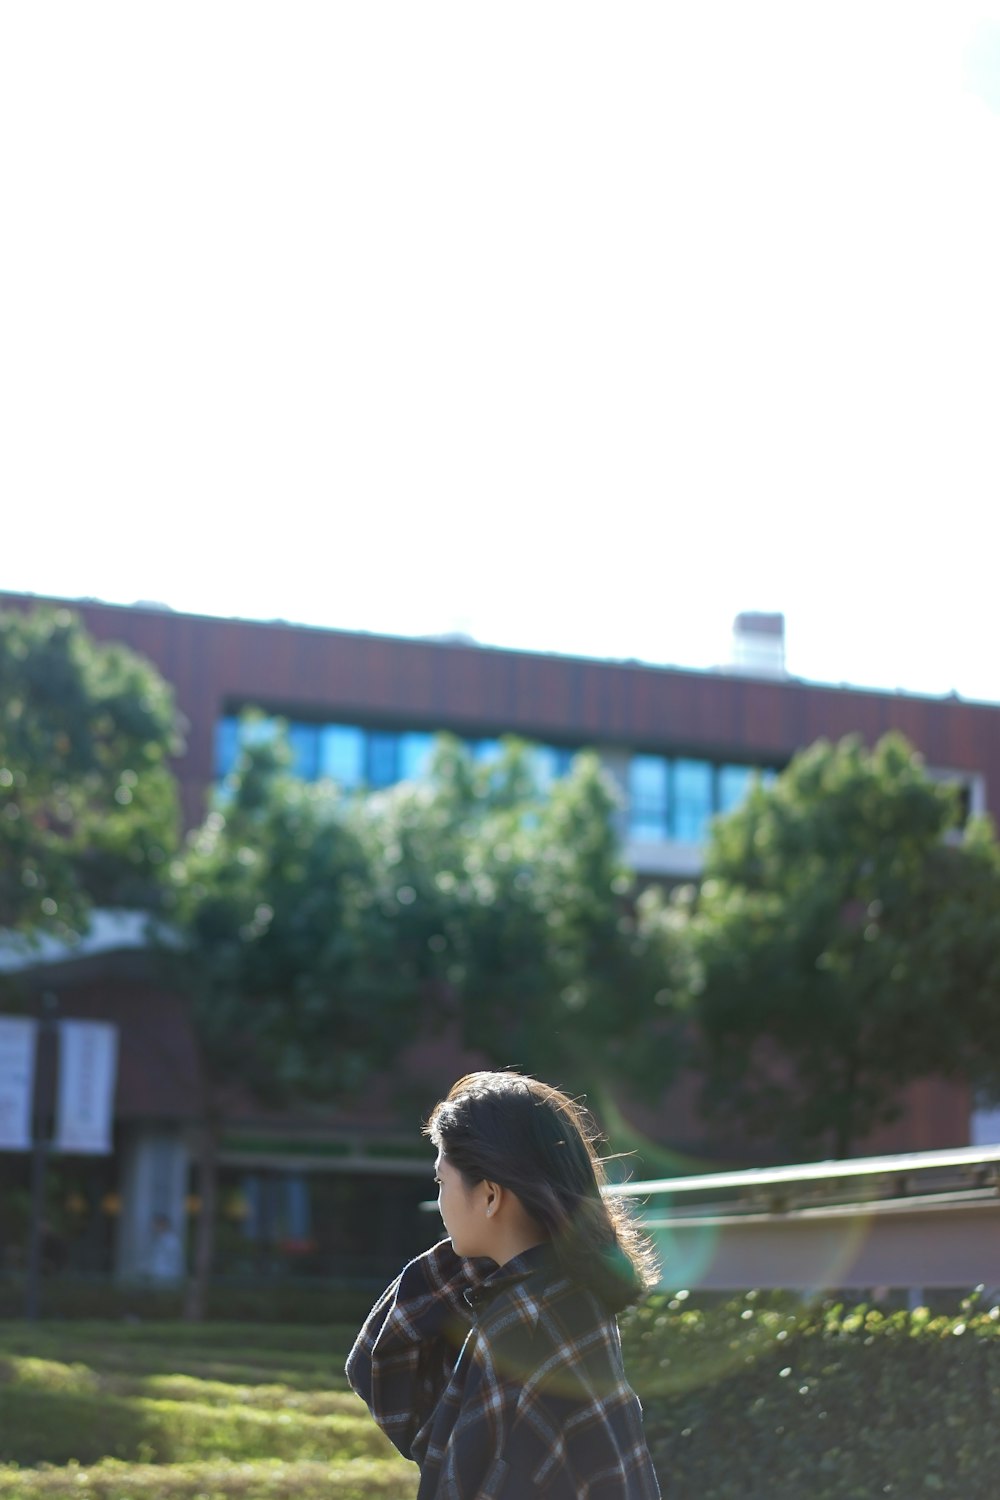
x: 502, y: 1383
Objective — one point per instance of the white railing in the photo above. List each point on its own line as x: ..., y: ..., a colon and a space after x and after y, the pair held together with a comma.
x: 915, y: 1220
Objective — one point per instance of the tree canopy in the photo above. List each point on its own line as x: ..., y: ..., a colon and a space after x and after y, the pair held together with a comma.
x: 278, y: 940
x: 842, y: 945
x: 337, y: 928
x: 317, y: 934
x: 88, y: 807
x: 513, y: 912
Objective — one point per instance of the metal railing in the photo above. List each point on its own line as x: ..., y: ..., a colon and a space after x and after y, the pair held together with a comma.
x: 914, y: 1220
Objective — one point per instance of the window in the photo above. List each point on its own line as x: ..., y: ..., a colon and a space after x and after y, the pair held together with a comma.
x: 549, y: 764
x: 415, y: 753
x: 354, y: 757
x: 676, y: 797
x: 342, y: 754
x: 733, y: 786
x: 257, y: 731
x: 304, y: 742
x: 649, y: 797
x: 693, y: 800
x: 227, y: 745
x: 274, y: 1206
x: 383, y: 758
x: 543, y: 766
x: 970, y: 791
x: 231, y: 735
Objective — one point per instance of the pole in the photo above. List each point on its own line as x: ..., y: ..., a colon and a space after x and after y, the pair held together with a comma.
x: 39, y: 1157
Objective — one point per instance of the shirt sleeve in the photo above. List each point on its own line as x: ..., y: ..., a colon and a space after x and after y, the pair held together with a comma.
x: 406, y: 1351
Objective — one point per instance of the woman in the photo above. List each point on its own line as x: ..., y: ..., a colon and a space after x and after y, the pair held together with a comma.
x: 494, y: 1360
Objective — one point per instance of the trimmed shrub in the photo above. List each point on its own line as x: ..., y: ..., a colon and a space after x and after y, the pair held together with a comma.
x: 765, y: 1399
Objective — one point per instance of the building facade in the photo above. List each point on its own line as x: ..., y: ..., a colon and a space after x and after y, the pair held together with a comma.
x: 324, y: 1191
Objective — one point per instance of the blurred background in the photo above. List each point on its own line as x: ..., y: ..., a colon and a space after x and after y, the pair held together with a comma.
x: 501, y: 514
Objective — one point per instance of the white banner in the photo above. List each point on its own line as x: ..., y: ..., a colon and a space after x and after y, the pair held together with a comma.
x: 88, y: 1058
x: 18, y: 1041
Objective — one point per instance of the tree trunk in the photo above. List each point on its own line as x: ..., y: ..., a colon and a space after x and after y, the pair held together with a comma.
x: 196, y: 1294
x: 843, y: 1133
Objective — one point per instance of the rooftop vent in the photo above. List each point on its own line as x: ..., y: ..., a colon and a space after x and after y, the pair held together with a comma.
x: 759, y: 645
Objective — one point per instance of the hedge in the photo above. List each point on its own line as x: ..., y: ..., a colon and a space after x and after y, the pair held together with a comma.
x: 765, y: 1399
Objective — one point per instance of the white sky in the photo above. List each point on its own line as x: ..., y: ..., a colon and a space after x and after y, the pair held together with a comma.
x: 576, y: 327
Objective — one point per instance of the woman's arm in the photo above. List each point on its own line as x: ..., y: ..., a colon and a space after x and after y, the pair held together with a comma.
x: 406, y: 1351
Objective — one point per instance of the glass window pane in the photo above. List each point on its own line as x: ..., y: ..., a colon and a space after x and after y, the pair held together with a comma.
x: 649, y: 799
x: 304, y: 742
x: 257, y: 731
x: 692, y: 800
x: 342, y: 754
x: 551, y: 762
x: 227, y: 745
x: 251, y: 1224
x: 415, y: 752
x: 544, y: 766
x: 383, y: 758
x: 734, y: 784
x: 648, y: 780
x: 646, y: 828
x: 298, y: 1219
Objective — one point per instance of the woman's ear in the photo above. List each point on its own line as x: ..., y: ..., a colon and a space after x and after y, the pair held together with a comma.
x: 494, y: 1197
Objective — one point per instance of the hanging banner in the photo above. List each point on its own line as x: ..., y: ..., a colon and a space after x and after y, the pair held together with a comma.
x: 88, y: 1059
x: 18, y: 1046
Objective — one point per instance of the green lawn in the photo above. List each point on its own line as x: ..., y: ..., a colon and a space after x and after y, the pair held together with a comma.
x: 169, y: 1411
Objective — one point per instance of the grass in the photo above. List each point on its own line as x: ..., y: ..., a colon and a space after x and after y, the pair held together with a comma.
x: 170, y: 1411
x: 268, y: 1480
x: 230, y: 1353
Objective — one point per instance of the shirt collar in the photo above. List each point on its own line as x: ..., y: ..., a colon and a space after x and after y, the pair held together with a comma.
x: 538, y: 1258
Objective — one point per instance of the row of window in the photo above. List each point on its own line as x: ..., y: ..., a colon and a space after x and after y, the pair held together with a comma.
x: 373, y: 758
x: 675, y: 797
x: 668, y: 797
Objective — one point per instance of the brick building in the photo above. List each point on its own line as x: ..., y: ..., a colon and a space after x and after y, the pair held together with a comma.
x: 334, y: 1191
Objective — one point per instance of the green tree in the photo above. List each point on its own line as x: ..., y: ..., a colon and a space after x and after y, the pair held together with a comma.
x: 283, y: 954
x: 317, y: 935
x: 964, y: 949
x: 88, y: 807
x: 838, y: 946
x: 513, y: 915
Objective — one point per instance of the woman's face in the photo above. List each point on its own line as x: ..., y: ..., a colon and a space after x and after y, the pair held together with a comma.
x: 462, y: 1209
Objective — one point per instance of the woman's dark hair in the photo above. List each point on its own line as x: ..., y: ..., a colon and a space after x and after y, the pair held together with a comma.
x: 542, y: 1146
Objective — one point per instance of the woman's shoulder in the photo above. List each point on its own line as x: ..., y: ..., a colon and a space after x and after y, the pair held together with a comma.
x: 539, y: 1299
x: 553, y: 1343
